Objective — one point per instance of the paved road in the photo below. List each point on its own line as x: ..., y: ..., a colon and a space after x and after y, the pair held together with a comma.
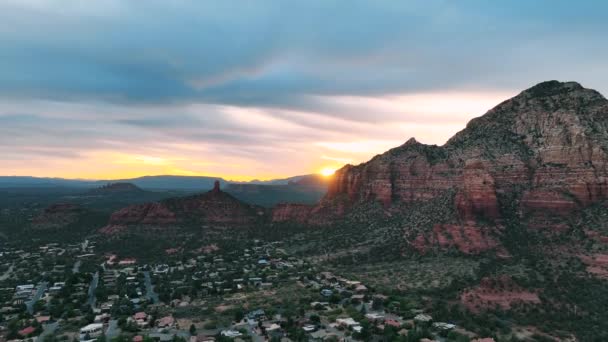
x: 76, y: 267
x: 48, y: 330
x: 92, y: 299
x: 8, y: 272
x: 113, y: 330
x: 150, y: 293
x: 254, y: 337
x: 39, y: 292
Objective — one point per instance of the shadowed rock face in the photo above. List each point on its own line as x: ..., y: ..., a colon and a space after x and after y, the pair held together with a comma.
x: 287, y: 212
x: 58, y: 215
x: 546, y: 148
x: 116, y: 188
x: 213, y: 207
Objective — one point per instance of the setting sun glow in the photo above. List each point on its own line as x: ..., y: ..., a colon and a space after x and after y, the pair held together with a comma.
x: 327, y: 171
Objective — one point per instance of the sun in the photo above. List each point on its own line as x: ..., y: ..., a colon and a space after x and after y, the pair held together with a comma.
x: 327, y: 171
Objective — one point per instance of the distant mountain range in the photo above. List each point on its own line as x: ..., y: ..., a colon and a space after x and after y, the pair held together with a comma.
x: 165, y: 182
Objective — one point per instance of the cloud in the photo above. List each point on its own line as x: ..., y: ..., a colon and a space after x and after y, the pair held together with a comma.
x: 262, y: 89
x: 280, y: 52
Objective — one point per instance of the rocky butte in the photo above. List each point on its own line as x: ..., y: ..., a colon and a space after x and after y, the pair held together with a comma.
x: 213, y: 207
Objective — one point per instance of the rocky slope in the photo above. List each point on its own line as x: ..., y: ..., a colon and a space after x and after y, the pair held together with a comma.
x: 211, y: 208
x: 58, y: 215
x: 60, y: 219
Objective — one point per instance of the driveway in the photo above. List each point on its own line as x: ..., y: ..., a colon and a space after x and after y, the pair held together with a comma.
x: 113, y: 330
x: 92, y: 299
x: 39, y: 292
x: 150, y: 293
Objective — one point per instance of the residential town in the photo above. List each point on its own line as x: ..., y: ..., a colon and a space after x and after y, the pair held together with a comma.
x: 258, y: 293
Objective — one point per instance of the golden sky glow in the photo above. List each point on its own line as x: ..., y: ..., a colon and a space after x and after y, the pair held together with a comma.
x: 248, y: 143
x: 327, y: 171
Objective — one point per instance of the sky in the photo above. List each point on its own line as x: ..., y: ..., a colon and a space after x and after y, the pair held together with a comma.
x: 266, y: 89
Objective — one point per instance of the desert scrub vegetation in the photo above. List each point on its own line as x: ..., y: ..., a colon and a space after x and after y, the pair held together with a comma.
x: 412, y: 274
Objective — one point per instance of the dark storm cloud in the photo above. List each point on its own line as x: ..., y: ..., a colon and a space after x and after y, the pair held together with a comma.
x: 275, y: 53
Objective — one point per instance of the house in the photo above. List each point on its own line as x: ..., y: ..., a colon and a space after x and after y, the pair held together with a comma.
x: 203, y: 338
x: 374, y: 317
x: 125, y: 262
x: 361, y: 288
x: 443, y: 326
x: 423, y: 318
x: 28, y: 287
x: 141, y: 318
x: 231, y: 333
x: 27, y: 331
x: 358, y: 297
x: 43, y: 319
x: 346, y: 322
x: 258, y: 314
x: 392, y: 323
x: 309, y: 328
x: 165, y: 322
x: 352, y: 283
x: 103, y: 318
x: 55, y: 289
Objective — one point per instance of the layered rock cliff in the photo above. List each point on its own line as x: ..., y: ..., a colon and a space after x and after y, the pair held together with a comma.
x: 546, y: 149
x: 552, y: 136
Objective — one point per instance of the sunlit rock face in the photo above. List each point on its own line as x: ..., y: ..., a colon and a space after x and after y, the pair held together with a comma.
x: 552, y: 135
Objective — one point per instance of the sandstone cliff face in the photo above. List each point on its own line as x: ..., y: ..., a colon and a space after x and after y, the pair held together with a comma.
x: 552, y: 136
x: 477, y: 195
x: 546, y: 148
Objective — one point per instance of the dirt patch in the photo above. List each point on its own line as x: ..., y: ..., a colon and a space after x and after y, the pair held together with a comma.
x: 502, y: 293
x: 597, y: 264
x: 468, y: 239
